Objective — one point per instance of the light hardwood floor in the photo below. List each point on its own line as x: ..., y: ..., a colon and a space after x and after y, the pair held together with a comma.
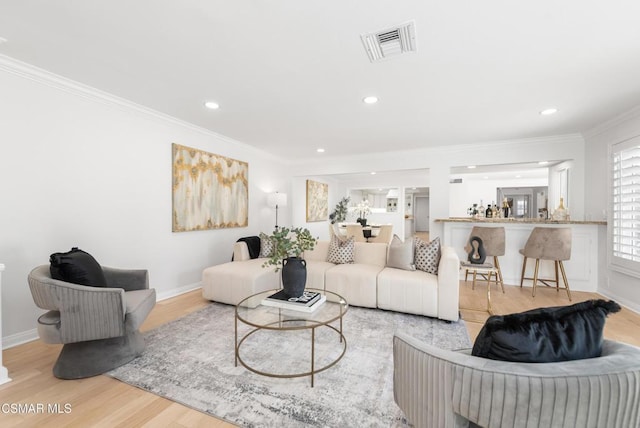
x: 104, y: 402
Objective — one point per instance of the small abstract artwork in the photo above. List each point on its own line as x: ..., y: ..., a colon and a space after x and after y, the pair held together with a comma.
x: 317, y: 201
x: 209, y: 191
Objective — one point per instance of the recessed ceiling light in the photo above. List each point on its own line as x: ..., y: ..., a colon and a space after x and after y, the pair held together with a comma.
x: 548, y: 111
x: 212, y: 105
x: 486, y: 177
x: 370, y: 100
x: 543, y: 162
x: 471, y: 166
x: 518, y: 176
x: 320, y: 150
x: 373, y: 173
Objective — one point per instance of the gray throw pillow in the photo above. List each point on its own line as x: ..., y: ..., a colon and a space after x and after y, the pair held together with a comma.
x: 428, y: 255
x: 341, y: 252
x: 401, y: 254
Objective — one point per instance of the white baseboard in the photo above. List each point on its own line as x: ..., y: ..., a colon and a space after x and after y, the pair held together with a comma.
x: 19, y: 338
x: 30, y: 335
x: 632, y: 306
x: 177, y: 291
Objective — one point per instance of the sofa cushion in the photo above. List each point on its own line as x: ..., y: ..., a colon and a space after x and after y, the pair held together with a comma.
x: 77, y: 267
x: 427, y: 255
x: 356, y: 282
x: 401, y: 254
x: 412, y: 292
x: 231, y: 282
x: 546, y: 335
x: 316, y: 270
x: 341, y: 251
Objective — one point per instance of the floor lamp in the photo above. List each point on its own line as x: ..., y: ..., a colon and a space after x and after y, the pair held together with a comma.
x: 275, y: 200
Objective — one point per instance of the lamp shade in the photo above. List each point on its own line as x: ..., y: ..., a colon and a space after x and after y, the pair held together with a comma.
x: 277, y: 200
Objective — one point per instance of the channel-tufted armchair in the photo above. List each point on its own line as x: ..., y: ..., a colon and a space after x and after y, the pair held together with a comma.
x: 445, y: 389
x: 99, y: 326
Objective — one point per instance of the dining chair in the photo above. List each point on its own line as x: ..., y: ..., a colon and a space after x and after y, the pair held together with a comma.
x: 385, y: 235
x: 355, y: 230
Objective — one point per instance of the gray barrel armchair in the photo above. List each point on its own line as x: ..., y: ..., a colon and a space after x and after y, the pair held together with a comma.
x: 446, y: 389
x: 98, y: 326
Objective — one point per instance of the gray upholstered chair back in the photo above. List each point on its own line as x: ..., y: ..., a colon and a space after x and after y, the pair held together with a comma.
x: 98, y: 326
x: 440, y: 388
x: 549, y: 243
x: 492, y: 239
x: 79, y: 307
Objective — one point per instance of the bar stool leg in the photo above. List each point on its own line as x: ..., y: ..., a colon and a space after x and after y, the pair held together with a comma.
x: 535, y: 277
x: 499, y: 274
x: 524, y: 267
x: 466, y: 274
x: 555, y: 265
x: 564, y: 277
x: 489, y: 309
x: 473, y: 284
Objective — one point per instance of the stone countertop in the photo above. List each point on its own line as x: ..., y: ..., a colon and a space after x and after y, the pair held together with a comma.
x: 515, y: 221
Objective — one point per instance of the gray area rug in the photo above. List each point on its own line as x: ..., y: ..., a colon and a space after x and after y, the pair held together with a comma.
x: 191, y: 361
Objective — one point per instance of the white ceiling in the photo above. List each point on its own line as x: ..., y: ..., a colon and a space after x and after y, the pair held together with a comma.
x: 290, y: 75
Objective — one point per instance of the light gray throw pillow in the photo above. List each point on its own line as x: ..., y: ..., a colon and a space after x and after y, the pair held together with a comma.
x: 401, y: 254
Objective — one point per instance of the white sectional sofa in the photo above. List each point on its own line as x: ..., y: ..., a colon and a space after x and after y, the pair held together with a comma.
x: 367, y: 282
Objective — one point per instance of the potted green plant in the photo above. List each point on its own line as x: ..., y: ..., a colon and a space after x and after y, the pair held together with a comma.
x: 340, y: 211
x: 288, y: 246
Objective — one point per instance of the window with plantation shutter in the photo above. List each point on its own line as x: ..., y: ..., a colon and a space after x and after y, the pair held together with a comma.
x: 625, y: 214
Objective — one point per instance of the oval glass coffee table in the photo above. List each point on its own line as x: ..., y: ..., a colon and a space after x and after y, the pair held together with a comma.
x: 268, y: 318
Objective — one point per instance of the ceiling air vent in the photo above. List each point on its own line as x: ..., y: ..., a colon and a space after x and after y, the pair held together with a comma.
x: 390, y: 42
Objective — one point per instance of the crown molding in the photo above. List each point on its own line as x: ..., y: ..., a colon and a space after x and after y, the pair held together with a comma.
x: 44, y: 77
x: 634, y: 113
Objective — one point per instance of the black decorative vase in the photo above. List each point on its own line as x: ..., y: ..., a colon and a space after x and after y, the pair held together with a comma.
x: 362, y: 221
x: 477, y: 255
x: 294, y: 276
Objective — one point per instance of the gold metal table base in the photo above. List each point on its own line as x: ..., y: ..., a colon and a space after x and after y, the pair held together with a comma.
x: 313, y: 370
x: 276, y: 319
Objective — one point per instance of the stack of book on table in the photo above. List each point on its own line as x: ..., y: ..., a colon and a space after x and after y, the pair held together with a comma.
x: 308, y: 302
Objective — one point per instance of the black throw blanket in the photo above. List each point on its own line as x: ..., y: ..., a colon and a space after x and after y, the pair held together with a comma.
x: 253, y: 244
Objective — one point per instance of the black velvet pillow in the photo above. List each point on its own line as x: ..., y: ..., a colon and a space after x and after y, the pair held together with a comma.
x: 546, y: 335
x: 77, y: 267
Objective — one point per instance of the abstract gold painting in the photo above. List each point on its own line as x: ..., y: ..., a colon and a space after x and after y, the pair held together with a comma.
x: 209, y: 191
x: 317, y: 201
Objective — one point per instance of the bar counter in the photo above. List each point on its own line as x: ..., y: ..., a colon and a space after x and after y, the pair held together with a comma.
x: 588, y: 248
x: 516, y: 221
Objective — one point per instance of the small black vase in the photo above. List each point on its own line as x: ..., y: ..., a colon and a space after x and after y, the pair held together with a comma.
x: 362, y: 221
x: 294, y: 276
x: 477, y: 255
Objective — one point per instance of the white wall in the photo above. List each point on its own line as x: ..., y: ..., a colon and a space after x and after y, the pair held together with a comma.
x: 84, y: 169
x: 614, y: 284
